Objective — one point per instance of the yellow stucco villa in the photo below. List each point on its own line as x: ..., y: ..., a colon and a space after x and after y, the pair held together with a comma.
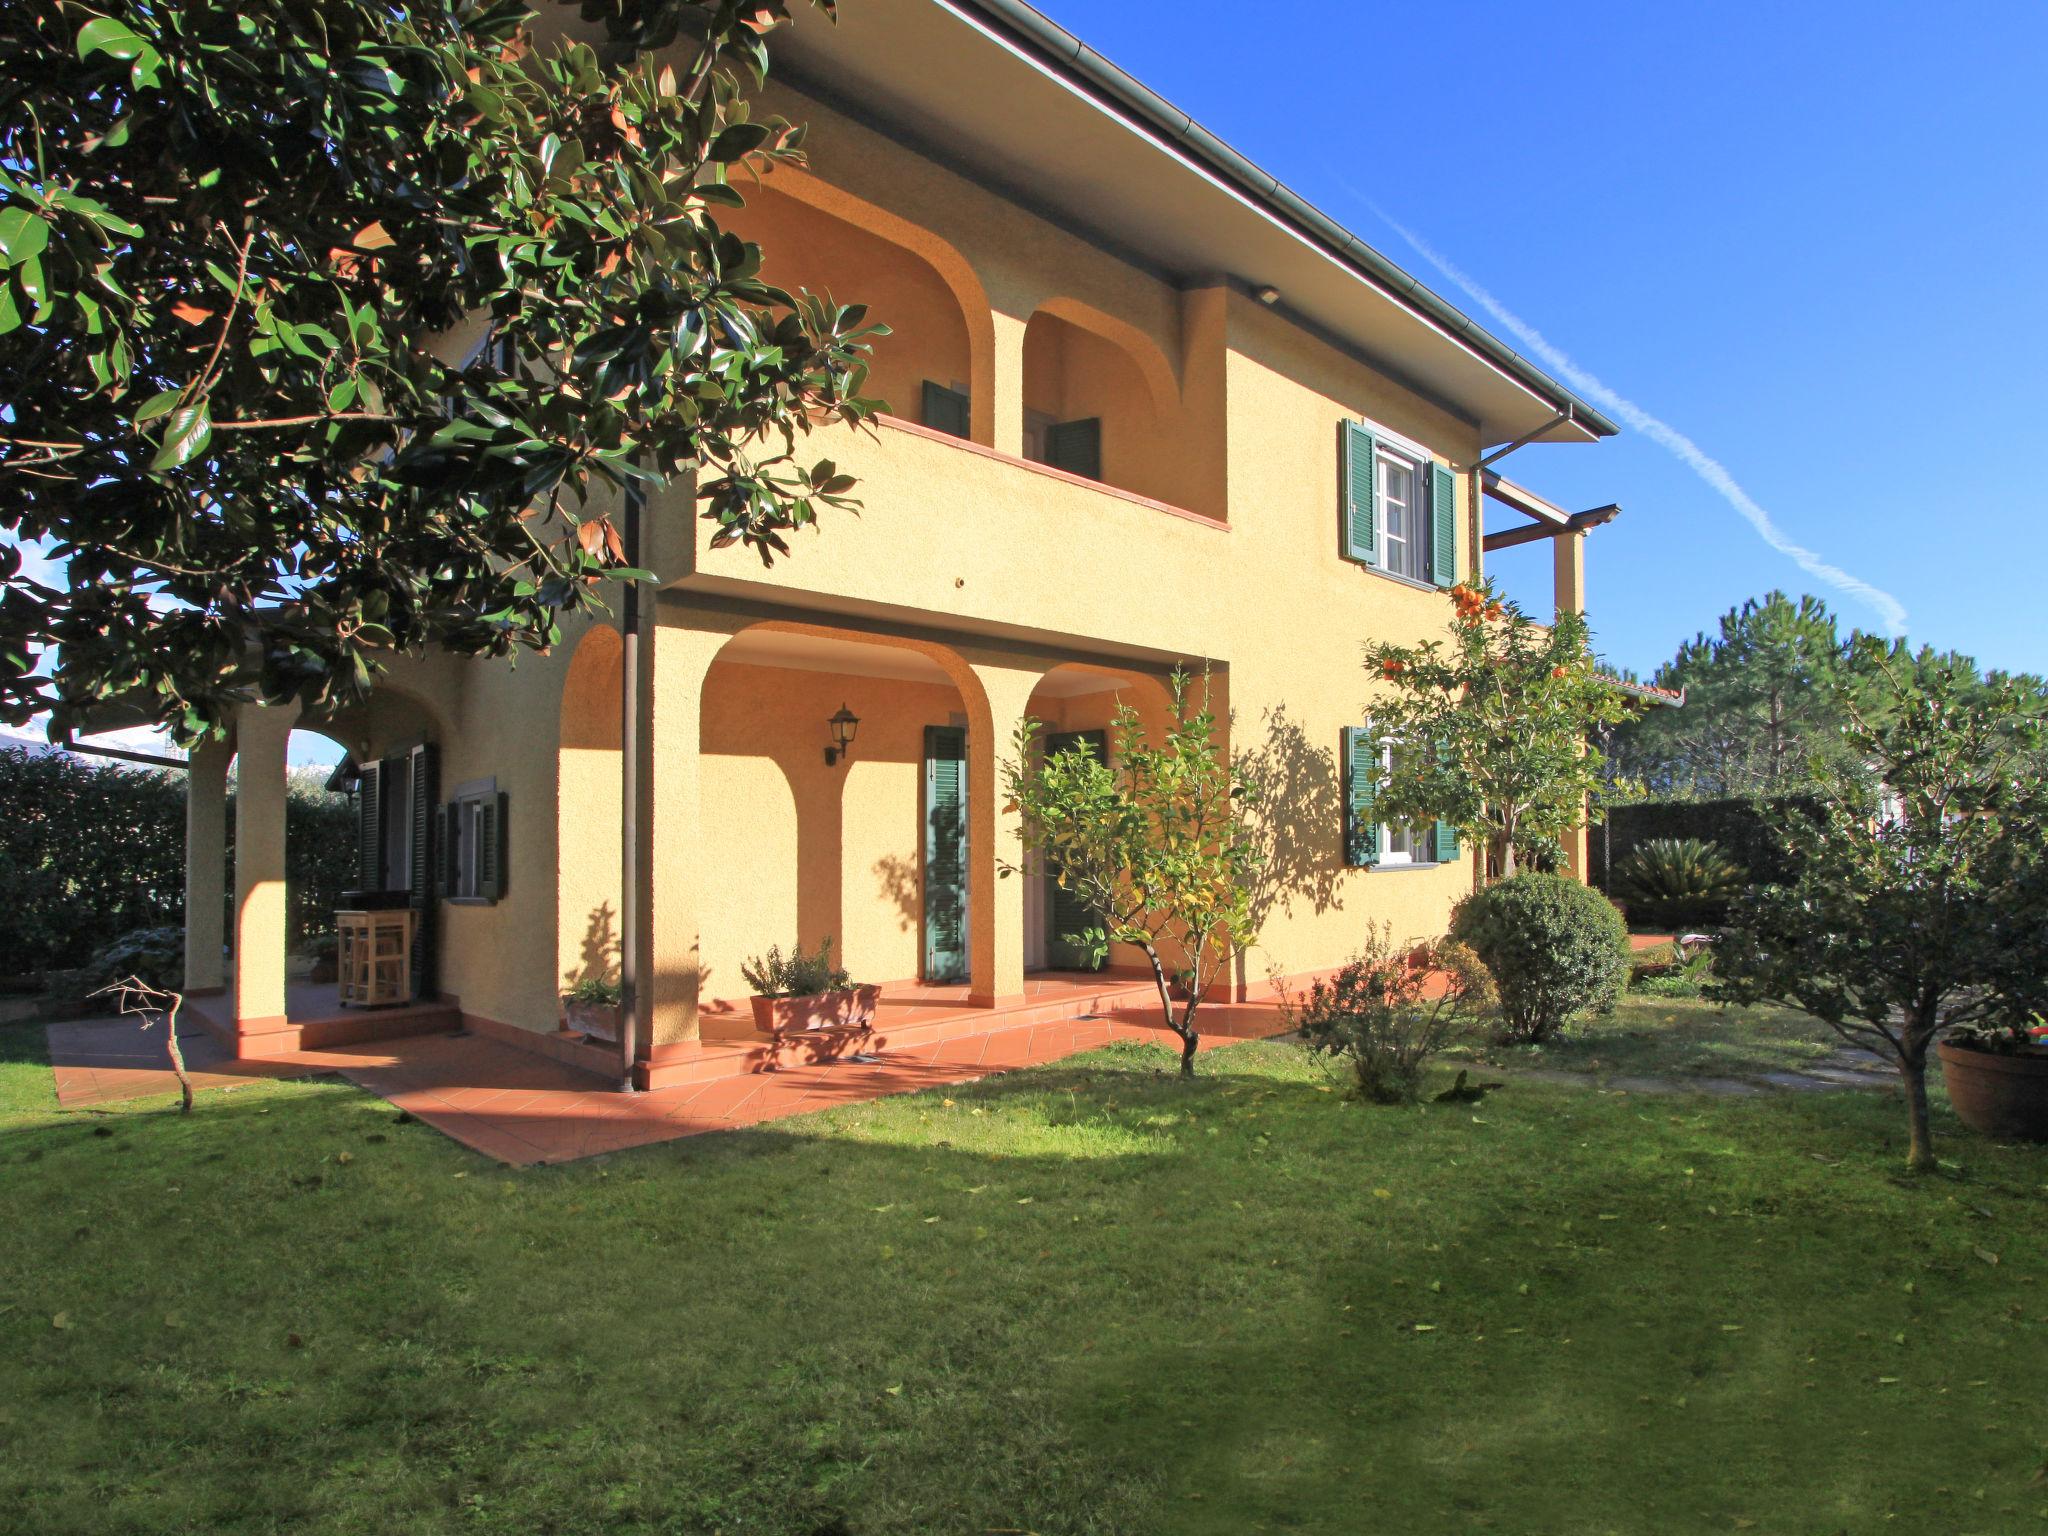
x: 1150, y: 411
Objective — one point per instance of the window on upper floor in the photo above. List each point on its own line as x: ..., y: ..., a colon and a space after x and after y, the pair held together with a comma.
x: 948, y: 409
x: 1399, y: 506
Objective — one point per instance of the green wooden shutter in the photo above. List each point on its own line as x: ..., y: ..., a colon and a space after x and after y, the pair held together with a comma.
x: 1361, y: 772
x: 1076, y: 447
x: 1443, y: 503
x: 1361, y: 530
x: 421, y: 895
x: 945, y: 853
x: 1446, y: 843
x: 370, y: 828
x: 1065, y: 911
x: 948, y: 410
x: 448, y: 838
x: 490, y: 848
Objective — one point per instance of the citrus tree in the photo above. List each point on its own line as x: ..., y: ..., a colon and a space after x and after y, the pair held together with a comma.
x: 235, y: 240
x: 1501, y: 718
x: 1920, y: 900
x: 1154, y: 841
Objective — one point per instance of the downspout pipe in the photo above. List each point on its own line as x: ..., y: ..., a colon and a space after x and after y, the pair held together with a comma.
x: 1140, y: 104
x: 630, y: 829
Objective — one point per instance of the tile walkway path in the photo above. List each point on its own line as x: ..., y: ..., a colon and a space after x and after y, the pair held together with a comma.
x: 522, y: 1108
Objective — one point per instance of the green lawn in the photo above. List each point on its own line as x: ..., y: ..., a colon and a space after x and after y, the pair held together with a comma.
x: 1087, y: 1298
x: 1678, y: 1037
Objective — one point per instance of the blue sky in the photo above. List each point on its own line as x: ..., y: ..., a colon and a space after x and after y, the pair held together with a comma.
x: 1810, y: 238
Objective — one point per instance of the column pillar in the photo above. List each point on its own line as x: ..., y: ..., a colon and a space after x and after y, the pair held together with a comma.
x: 1568, y: 563
x: 663, y: 928
x: 995, y: 840
x: 1568, y: 556
x: 261, y: 734
x: 1004, y: 403
x: 206, y: 865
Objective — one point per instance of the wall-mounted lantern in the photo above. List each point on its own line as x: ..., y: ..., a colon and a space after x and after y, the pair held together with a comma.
x: 844, y: 725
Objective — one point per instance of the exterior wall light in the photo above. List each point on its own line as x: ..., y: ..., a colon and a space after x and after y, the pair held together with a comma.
x: 1267, y: 295
x: 844, y: 726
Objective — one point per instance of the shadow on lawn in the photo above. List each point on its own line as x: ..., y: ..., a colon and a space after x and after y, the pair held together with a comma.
x: 1085, y: 1297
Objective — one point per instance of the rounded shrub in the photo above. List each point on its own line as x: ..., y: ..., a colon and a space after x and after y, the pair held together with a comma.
x: 1556, y: 949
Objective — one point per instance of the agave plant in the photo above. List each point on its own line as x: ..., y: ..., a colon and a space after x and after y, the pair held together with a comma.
x: 1677, y: 880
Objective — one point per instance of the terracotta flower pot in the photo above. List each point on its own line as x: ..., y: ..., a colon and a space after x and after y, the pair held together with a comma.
x: 853, y: 1008
x: 600, y: 1021
x: 2001, y: 1096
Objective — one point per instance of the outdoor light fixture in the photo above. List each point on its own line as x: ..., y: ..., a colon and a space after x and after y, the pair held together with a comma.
x: 1267, y: 295
x: 844, y: 725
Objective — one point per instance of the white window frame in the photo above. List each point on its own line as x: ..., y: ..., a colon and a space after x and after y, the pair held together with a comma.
x: 1385, y: 460
x: 1421, y: 463
x: 1421, y: 853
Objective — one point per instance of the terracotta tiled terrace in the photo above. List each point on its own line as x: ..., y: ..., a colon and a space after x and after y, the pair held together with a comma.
x: 521, y: 1107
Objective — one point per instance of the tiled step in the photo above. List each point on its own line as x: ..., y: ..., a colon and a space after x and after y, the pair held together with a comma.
x: 707, y: 1060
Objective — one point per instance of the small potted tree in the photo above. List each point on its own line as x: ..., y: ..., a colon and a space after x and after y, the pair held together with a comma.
x: 1997, y: 1078
x: 591, y: 1007
x: 797, y: 993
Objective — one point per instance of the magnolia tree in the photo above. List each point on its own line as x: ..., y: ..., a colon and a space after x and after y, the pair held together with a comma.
x: 1501, y: 718
x: 1154, y: 841
x: 1921, y: 899
x: 234, y: 243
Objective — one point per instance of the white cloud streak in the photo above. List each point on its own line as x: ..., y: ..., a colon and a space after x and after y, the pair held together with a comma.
x: 1890, y: 611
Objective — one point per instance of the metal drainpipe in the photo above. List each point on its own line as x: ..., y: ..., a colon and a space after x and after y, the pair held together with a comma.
x: 630, y: 830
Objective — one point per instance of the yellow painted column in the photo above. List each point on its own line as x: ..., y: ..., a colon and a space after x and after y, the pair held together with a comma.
x: 206, y: 864
x: 261, y: 735
x: 669, y: 874
x: 998, y: 408
x: 1568, y: 556
x: 995, y: 841
x: 1568, y: 562
x: 1205, y: 424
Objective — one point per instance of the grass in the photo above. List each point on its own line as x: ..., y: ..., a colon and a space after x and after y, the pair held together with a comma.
x: 1081, y: 1299
x: 1678, y: 1037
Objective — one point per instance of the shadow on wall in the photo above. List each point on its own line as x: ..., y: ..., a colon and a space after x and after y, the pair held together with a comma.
x: 1295, y: 823
x: 598, y: 959
x: 896, y: 879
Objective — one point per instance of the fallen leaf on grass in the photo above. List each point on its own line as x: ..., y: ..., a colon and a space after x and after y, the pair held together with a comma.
x: 1986, y: 1255
x: 61, y: 1320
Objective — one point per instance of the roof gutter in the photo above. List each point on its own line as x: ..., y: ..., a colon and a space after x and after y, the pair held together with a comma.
x: 1149, y: 110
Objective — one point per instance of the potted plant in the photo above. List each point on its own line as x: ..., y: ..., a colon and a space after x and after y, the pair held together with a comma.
x: 1997, y: 1078
x: 797, y: 992
x: 591, y: 1007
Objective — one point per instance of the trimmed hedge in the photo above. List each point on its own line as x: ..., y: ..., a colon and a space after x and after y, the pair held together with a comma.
x: 1556, y: 948
x: 1741, y: 826
x: 91, y: 851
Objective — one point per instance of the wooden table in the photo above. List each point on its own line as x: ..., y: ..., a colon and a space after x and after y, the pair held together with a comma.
x: 375, y: 957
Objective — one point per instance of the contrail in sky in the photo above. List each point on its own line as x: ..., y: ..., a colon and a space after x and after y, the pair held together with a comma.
x: 1890, y: 610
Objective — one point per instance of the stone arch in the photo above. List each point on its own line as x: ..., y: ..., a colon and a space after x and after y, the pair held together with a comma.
x: 1082, y: 696
x: 932, y: 251
x: 829, y: 851
x: 1146, y: 355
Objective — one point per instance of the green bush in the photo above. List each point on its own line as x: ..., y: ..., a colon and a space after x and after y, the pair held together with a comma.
x: 1556, y: 949
x: 1388, y: 1011
x: 1677, y: 882
x: 795, y: 974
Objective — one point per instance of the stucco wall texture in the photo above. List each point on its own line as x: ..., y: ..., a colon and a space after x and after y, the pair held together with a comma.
x: 1214, y: 544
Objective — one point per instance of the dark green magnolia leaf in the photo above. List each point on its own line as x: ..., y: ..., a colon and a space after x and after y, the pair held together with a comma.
x: 186, y: 436
x: 22, y: 234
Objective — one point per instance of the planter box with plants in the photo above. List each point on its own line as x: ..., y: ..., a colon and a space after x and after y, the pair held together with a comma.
x: 797, y: 993
x: 1998, y: 1079
x: 591, y: 1008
